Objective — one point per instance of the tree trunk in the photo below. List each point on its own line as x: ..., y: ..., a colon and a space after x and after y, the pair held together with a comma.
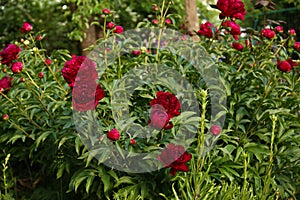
x: 90, y: 39
x: 192, y: 20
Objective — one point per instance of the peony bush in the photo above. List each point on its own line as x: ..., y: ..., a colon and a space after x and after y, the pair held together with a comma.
x: 63, y: 120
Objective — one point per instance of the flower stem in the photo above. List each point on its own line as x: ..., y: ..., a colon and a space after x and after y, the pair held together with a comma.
x: 269, y: 169
x: 25, y: 114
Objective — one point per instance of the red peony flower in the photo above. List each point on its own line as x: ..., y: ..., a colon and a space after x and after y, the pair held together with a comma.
x: 168, y: 21
x: 9, y: 54
x: 169, y: 102
x: 159, y: 119
x: 155, y: 8
x: 114, y: 134
x: 215, y: 130
x: 175, y: 156
x: 297, y: 45
x: 207, y: 29
x: 234, y: 28
x: 279, y: 29
x: 110, y: 25
x: 234, y: 9
x: 286, y: 65
x: 86, y: 95
x: 238, y: 46
x: 268, y: 33
x: 118, y: 29
x: 5, y: 83
x: 106, y: 11
x: 87, y: 70
x: 292, y: 32
x: 17, y: 67
x: 26, y: 28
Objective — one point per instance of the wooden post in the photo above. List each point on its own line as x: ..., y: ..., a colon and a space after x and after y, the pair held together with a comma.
x: 192, y: 20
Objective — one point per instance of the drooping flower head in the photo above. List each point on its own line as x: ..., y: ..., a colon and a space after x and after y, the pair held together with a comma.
x: 238, y: 46
x: 118, y: 29
x: 26, y: 28
x: 233, y: 27
x: 168, y: 101
x: 286, y: 65
x: 175, y: 157
x: 207, y: 29
x: 10, y: 53
x: 159, y: 118
x: 268, y: 33
x: 234, y: 9
x: 5, y: 84
x: 71, y: 68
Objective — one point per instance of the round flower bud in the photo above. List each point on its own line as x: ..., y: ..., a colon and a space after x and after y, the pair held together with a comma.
x: 41, y: 74
x: 215, y: 130
x: 26, y: 42
x: 114, y: 134
x: 5, y: 117
x: 106, y: 11
x: 132, y: 142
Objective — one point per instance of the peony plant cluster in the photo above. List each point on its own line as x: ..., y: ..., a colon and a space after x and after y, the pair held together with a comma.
x: 47, y: 98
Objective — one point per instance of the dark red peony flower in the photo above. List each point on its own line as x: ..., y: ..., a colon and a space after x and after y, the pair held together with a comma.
x: 86, y: 94
x: 169, y: 102
x: 268, y: 33
x: 17, y: 67
x: 286, y: 65
x: 110, y: 25
x: 234, y: 9
x: 26, y: 28
x: 5, y: 83
x: 87, y: 70
x: 233, y: 27
x: 118, y: 29
x: 159, y: 119
x: 238, y: 46
x: 175, y: 156
x: 279, y: 29
x: 114, y: 134
x: 207, y: 29
x: 297, y: 45
x: 9, y: 54
x: 215, y: 130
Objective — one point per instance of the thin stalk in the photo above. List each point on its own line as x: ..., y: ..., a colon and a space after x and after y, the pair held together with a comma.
x: 19, y: 128
x: 42, y: 103
x: 26, y: 115
x: 269, y: 169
